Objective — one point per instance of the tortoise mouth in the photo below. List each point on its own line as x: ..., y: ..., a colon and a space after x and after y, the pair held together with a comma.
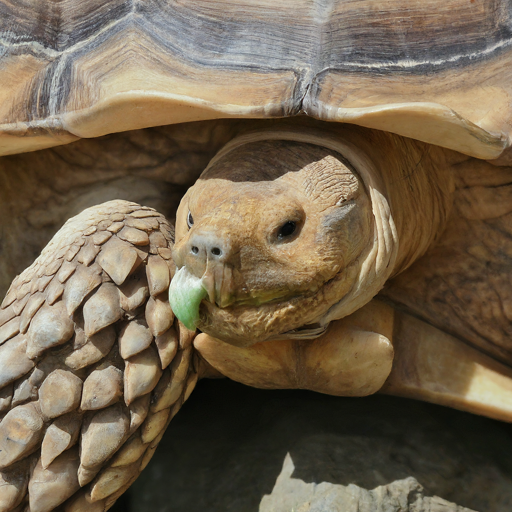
x: 290, y: 316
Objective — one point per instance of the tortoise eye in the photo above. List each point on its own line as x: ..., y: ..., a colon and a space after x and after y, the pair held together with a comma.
x: 190, y: 220
x: 287, y: 229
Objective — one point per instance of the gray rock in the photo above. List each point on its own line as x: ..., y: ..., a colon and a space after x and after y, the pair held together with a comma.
x: 292, y: 494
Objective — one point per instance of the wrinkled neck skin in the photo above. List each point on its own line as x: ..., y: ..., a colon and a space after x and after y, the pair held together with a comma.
x: 364, y: 205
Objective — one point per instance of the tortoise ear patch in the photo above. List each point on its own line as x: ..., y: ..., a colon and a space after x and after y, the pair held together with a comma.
x: 338, y: 217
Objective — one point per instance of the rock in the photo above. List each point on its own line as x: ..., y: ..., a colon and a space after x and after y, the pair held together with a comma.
x: 292, y: 494
x: 237, y: 449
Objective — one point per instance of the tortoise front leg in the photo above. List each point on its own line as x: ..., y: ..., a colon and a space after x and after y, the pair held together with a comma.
x: 353, y: 358
x: 375, y: 349
x: 434, y: 366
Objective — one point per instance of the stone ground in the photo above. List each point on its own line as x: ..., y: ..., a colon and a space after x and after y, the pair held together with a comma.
x: 238, y: 449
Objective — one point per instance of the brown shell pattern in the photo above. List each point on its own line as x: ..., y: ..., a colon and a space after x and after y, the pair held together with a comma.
x: 93, y: 365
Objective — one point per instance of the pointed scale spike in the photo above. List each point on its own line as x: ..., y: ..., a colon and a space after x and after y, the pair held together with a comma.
x: 10, y: 297
x: 118, y: 259
x: 159, y: 315
x: 165, y: 253
x: 54, y: 292
x: 60, y: 393
x: 50, y: 487
x: 62, y: 434
x: 43, y: 282
x: 165, y: 396
x: 14, y: 362
x: 19, y: 305
x: 159, y: 277
x: 52, y: 268
x: 23, y: 290
x: 24, y: 391
x: 116, y: 227
x: 102, y: 309
x: 131, y: 452
x: 96, y: 348
x: 134, y: 292
x: 33, y: 305
x: 6, y: 315
x: 102, y: 388
x: 134, y: 236
x: 134, y: 338
x: 101, y: 237
x: 102, y: 436
x: 167, y: 346
x: 90, y: 230
x: 81, y: 502
x: 9, y: 329
x: 139, y: 409
x: 79, y: 285
x: 87, y: 254
x: 111, y: 480
x: 154, y: 424
x: 66, y: 270
x: 144, y: 224
x: 141, y: 374
x: 6, y: 393
x: 51, y: 326
x: 21, y: 431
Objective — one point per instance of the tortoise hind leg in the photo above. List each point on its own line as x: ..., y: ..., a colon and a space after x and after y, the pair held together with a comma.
x: 434, y: 366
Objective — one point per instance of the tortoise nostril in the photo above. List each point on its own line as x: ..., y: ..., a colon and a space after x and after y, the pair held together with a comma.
x: 194, y: 249
x: 216, y: 251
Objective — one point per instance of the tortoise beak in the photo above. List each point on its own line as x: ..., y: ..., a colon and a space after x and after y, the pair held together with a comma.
x: 205, y: 273
x: 218, y: 283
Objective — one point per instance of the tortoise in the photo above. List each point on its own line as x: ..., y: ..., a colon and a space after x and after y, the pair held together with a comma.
x: 363, y: 251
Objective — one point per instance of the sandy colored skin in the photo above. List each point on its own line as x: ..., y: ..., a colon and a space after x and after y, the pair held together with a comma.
x: 238, y: 222
x: 356, y: 224
x: 353, y: 358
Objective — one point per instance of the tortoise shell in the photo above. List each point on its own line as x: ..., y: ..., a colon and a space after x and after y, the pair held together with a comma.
x: 435, y: 71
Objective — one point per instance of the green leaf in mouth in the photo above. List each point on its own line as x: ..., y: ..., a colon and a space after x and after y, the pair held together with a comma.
x: 185, y: 295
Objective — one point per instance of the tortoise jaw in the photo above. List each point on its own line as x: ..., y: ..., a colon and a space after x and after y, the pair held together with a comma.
x: 187, y: 291
x: 216, y: 286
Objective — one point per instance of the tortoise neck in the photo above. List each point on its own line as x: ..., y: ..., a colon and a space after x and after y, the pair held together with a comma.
x: 419, y: 186
x: 410, y: 188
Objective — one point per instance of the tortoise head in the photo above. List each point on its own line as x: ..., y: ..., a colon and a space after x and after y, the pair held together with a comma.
x: 271, y: 239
